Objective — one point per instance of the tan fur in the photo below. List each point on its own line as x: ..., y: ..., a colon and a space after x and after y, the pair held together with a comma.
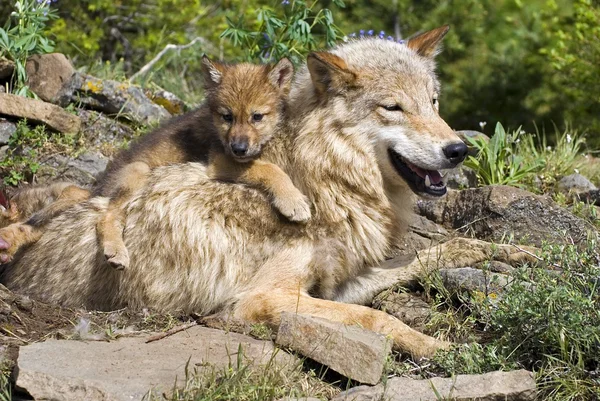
x: 242, y: 91
x: 204, y: 246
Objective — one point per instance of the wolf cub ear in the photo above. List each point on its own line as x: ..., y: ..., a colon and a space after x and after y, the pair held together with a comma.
x: 281, y: 75
x: 329, y: 72
x: 428, y: 44
x: 212, y: 72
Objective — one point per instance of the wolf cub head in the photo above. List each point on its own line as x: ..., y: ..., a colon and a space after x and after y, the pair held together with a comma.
x: 247, y: 103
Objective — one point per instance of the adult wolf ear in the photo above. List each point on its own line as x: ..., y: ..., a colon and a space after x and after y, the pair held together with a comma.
x: 329, y: 73
x: 428, y: 44
x: 212, y: 72
x: 281, y: 75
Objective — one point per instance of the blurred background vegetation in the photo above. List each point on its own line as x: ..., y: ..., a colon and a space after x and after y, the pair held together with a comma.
x: 530, y: 63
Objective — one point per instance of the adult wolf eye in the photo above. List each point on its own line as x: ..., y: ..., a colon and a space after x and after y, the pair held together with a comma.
x: 394, y: 107
x: 257, y: 117
x: 227, y: 117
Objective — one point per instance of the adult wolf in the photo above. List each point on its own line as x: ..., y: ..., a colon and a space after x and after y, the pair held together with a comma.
x: 363, y: 133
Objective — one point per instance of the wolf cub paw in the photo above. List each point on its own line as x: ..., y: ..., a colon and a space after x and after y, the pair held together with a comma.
x: 116, y: 255
x: 12, y: 238
x: 295, y: 207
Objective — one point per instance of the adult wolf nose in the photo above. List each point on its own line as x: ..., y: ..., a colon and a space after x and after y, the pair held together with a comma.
x: 239, y: 148
x: 456, y: 152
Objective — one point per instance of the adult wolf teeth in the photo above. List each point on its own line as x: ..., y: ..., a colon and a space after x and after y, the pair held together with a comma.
x: 427, y: 181
x: 445, y: 179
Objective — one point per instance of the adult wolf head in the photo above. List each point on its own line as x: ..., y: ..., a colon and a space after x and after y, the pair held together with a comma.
x: 390, y: 91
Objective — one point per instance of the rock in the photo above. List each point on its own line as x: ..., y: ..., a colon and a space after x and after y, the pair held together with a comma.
x: 518, y: 385
x: 6, y: 68
x: 81, y: 170
x: 575, y: 183
x: 492, y: 212
x: 352, y: 351
x: 592, y: 197
x: 422, y: 234
x: 128, y: 368
x: 47, y: 73
x: 100, y: 130
x: 169, y: 101
x: 39, y: 111
x: 299, y: 399
x: 470, y: 279
x: 7, y: 128
x: 118, y: 98
x: 409, y: 308
x: 464, y: 134
x: 461, y: 178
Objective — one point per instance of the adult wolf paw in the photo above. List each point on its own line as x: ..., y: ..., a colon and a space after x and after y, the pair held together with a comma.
x: 116, y: 255
x: 295, y: 207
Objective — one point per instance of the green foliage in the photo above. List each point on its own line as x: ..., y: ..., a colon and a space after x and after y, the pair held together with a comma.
x: 25, y: 35
x: 545, y: 320
x: 499, y: 161
x: 574, y: 54
x: 290, y: 29
x: 244, y: 381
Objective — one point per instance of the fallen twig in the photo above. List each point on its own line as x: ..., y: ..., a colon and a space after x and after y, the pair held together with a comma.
x: 174, y: 330
x: 533, y: 255
x: 168, y: 47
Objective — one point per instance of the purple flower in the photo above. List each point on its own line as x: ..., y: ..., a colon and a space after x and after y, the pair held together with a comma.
x: 352, y: 35
x: 390, y: 38
x: 401, y: 41
x: 285, y: 2
x: 361, y: 33
x: 381, y: 35
x: 371, y: 32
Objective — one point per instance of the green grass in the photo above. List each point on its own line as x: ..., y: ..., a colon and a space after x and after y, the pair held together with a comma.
x: 545, y: 321
x: 243, y: 381
x: 535, y: 162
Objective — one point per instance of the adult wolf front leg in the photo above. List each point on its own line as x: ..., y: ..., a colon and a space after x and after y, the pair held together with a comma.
x: 362, y: 135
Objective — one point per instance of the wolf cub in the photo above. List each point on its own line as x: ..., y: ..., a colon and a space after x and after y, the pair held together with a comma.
x: 244, y: 107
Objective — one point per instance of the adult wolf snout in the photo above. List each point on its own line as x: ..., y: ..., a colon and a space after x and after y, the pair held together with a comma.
x: 456, y: 152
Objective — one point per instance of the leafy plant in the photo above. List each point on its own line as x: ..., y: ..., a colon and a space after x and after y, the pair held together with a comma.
x: 499, y: 161
x: 23, y: 36
x: 291, y: 29
x: 547, y: 321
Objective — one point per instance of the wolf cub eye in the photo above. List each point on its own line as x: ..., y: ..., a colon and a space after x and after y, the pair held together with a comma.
x: 227, y: 117
x: 257, y: 117
x: 394, y: 107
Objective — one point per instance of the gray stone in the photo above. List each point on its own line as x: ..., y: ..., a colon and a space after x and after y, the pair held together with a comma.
x: 117, y: 98
x: 100, y: 130
x: 493, y: 212
x: 352, y: 351
x: 47, y: 73
x: 409, y: 308
x: 518, y: 385
x: 7, y: 128
x: 470, y: 279
x: 461, y: 178
x: 39, y: 111
x: 82, y: 170
x: 422, y: 234
x: 128, y: 368
x: 6, y: 68
x: 575, y: 183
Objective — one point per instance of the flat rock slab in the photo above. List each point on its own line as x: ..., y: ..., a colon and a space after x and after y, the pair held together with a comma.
x: 493, y: 212
x: 39, y: 111
x: 113, y: 97
x: 128, y: 368
x: 47, y: 73
x: 352, y: 351
x: 518, y: 385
